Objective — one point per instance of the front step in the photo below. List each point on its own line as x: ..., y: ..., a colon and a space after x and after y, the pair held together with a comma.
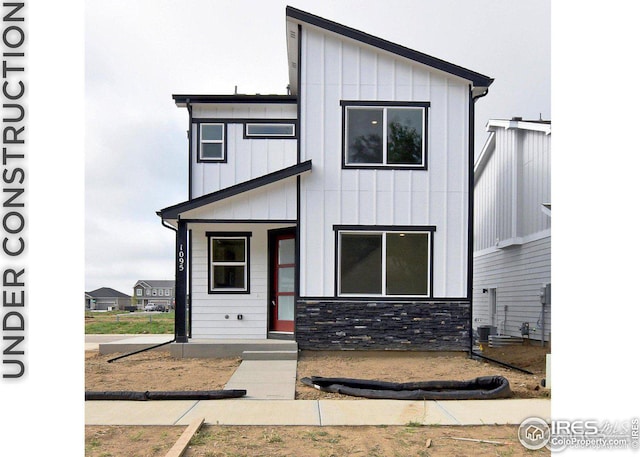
x: 270, y: 355
x: 204, y: 348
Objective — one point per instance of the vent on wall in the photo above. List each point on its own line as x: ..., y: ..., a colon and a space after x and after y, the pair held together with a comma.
x: 292, y: 34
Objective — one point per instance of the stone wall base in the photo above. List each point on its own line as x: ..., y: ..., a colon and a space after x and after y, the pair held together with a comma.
x: 406, y: 326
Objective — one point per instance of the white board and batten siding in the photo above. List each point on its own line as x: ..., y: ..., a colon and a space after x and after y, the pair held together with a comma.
x: 512, y: 242
x: 246, y: 159
x: 336, y: 68
x: 210, y: 310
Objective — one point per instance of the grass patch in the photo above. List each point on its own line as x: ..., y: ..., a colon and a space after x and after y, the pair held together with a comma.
x: 118, y: 322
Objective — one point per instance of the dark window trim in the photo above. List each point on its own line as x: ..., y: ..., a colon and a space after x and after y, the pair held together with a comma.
x: 199, y: 157
x: 213, y: 235
x: 292, y: 122
x: 385, y: 104
x: 381, y: 229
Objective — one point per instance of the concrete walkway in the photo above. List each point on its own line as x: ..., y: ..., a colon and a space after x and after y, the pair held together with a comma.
x: 316, y: 412
x: 265, y: 379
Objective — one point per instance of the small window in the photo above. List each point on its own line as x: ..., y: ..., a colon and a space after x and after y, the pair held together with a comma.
x: 138, y: 292
x: 212, y: 142
x: 270, y: 130
x: 229, y: 263
x: 167, y: 292
x: 154, y: 292
x: 384, y: 263
x: 148, y: 292
x: 384, y: 136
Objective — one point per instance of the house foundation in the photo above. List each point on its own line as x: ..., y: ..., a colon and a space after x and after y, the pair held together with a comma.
x: 383, y: 325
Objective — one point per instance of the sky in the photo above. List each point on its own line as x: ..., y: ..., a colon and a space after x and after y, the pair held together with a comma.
x: 139, y: 53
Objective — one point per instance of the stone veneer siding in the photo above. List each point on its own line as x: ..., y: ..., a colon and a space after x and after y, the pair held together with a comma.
x: 407, y: 326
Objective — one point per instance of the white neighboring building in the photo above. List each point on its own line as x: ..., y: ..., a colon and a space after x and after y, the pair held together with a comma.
x: 512, y: 229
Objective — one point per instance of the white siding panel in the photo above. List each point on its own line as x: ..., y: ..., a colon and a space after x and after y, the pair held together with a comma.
x: 350, y: 72
x: 401, y: 208
x: 245, y: 158
x: 384, y: 211
x: 508, y: 199
x: 209, y: 310
x: 518, y: 274
x: 312, y: 242
x: 437, y: 196
x: 275, y: 201
x: 368, y: 67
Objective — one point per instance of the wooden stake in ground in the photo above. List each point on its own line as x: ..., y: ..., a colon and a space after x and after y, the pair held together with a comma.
x: 480, y: 441
x: 181, y: 445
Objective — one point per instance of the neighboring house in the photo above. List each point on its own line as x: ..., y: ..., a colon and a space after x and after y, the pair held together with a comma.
x: 512, y: 247
x: 106, y: 299
x: 160, y: 292
x: 338, y: 214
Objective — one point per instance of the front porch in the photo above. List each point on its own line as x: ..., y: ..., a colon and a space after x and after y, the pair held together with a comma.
x: 255, y: 349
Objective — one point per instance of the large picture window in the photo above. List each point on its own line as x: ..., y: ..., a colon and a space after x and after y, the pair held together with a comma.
x: 388, y: 135
x: 228, y: 262
x: 212, y: 142
x: 384, y: 263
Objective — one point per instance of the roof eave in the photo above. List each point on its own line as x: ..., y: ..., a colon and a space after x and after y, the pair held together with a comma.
x: 172, y: 213
x: 478, y: 80
x: 183, y: 99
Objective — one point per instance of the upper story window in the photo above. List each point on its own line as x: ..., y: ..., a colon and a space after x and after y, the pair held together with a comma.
x: 384, y: 134
x: 270, y: 130
x: 138, y: 292
x: 212, y: 143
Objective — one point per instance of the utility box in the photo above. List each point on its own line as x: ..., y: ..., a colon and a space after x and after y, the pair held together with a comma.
x: 484, y: 331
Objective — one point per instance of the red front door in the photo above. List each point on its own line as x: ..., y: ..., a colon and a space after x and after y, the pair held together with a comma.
x: 284, y: 267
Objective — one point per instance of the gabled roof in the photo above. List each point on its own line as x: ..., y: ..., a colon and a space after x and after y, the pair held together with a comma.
x: 173, y: 212
x: 162, y: 283
x: 106, y: 292
x: 478, y: 80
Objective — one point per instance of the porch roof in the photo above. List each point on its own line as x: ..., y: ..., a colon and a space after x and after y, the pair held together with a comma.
x: 173, y: 212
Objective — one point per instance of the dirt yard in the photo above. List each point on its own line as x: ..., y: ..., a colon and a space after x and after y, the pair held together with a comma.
x: 159, y: 371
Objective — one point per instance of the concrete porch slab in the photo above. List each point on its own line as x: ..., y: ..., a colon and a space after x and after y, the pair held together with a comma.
x: 132, y: 343
x: 210, y: 348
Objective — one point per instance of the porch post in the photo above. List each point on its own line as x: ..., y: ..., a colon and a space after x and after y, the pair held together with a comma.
x: 181, y: 334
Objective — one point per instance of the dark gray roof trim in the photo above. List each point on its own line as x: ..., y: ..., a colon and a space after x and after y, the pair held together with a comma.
x: 172, y: 212
x: 106, y: 292
x: 182, y: 99
x: 478, y: 79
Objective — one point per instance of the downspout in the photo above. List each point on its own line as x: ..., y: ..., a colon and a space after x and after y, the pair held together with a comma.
x: 189, y: 133
x: 472, y: 116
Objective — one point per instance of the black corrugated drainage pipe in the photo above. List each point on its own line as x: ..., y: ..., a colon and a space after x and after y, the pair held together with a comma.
x: 164, y: 395
x: 141, y: 350
x: 504, y: 364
